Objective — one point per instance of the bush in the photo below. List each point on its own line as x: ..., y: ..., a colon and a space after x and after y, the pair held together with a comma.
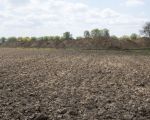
x: 125, y: 37
x: 114, y: 37
x: 133, y: 36
x: 67, y: 36
x: 87, y: 34
x: 12, y: 39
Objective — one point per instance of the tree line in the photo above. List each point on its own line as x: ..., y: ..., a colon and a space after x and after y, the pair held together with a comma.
x: 93, y: 34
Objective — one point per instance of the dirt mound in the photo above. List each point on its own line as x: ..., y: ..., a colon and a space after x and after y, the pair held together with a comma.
x: 101, y: 43
x: 128, y: 44
x: 143, y: 42
x: 74, y: 85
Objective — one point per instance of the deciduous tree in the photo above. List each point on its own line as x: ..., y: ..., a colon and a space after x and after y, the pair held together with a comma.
x: 146, y: 29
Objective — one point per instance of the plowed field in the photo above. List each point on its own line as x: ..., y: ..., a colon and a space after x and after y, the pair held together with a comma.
x: 48, y: 84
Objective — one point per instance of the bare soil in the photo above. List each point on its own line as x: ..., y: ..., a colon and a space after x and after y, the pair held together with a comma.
x: 49, y: 84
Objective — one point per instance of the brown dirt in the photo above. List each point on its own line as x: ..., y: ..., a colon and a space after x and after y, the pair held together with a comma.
x: 42, y: 84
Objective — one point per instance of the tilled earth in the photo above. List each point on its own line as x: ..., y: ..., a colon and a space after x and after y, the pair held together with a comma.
x: 41, y: 84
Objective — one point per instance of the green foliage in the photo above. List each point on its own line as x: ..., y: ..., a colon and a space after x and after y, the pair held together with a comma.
x: 125, y: 37
x: 79, y: 38
x: 2, y: 40
x: 146, y: 29
x: 67, y: 36
x: 20, y: 39
x: 57, y: 38
x: 87, y: 34
x: 12, y: 39
x: 27, y: 39
x: 133, y: 36
x: 24, y: 39
x: 114, y: 37
x: 49, y: 38
x: 33, y: 38
x: 97, y: 33
x: 105, y: 33
x: 45, y: 38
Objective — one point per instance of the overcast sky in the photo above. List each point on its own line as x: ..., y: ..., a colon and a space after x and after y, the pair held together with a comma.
x: 53, y: 17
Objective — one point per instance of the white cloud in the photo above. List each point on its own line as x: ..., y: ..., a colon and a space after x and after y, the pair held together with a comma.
x: 135, y: 2
x: 109, y: 13
x: 45, y: 17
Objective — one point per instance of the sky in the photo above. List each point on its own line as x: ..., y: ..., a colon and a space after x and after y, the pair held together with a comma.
x: 54, y: 17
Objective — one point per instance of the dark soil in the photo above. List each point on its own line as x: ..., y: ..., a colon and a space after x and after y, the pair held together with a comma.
x: 48, y: 84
